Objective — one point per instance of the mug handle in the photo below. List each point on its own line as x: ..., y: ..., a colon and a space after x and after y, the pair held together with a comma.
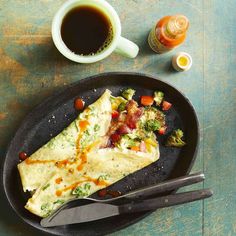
x: 127, y: 48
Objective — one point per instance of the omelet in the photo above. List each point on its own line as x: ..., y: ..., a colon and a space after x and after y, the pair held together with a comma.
x: 62, y: 150
x: 99, y: 148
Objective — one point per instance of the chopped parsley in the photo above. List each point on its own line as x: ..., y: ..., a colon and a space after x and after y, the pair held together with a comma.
x: 102, y: 177
x: 45, y: 187
x: 45, y: 207
x: 96, y: 127
x: 59, y: 201
x: 82, y: 191
x: 122, y: 106
x: 87, y: 186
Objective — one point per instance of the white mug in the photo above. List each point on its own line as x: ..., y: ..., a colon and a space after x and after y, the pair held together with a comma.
x: 118, y: 44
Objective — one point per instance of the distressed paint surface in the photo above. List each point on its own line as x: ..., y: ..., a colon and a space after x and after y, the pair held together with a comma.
x: 32, y: 69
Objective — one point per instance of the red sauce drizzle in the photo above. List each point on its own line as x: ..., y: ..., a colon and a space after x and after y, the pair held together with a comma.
x: 58, y: 193
x: 74, y: 185
x: 79, y: 104
x: 83, y: 161
x: 62, y: 163
x: 23, y: 156
x: 28, y: 161
x: 82, y: 125
x: 58, y: 164
x: 70, y: 187
x: 58, y: 180
x: 98, y: 182
x: 105, y: 192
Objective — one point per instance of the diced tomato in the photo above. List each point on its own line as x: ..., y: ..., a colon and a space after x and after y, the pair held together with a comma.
x: 79, y: 104
x: 147, y: 100
x: 115, y: 114
x: 162, y: 130
x: 115, y: 138
x: 135, y: 148
x: 166, y: 106
x: 142, y: 146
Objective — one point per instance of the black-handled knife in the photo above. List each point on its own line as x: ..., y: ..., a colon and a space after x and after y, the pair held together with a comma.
x: 96, y: 211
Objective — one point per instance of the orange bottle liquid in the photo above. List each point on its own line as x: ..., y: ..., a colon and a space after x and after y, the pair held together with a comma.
x: 168, y: 33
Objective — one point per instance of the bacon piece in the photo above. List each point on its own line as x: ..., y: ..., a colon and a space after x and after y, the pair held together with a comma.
x: 133, y: 114
x: 124, y: 129
x: 115, y: 138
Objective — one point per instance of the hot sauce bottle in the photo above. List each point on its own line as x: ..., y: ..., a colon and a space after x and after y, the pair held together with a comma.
x: 168, y: 33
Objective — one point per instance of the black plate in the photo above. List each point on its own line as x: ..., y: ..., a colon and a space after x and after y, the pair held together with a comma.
x: 50, y: 117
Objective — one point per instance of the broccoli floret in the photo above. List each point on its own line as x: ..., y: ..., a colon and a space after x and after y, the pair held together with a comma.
x: 158, y: 97
x: 152, y: 125
x: 122, y: 106
x: 128, y: 93
x: 175, y: 139
x: 152, y: 113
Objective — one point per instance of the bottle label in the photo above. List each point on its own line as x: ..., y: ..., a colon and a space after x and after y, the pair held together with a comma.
x: 155, y: 44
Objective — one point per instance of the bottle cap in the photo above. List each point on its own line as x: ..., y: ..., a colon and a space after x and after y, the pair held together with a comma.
x: 182, y: 61
x: 177, y: 25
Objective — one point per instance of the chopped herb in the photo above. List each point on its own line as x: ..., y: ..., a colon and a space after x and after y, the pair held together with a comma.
x: 87, y: 186
x: 77, y: 129
x: 78, y: 192
x: 51, y: 144
x: 59, y: 201
x: 47, y: 213
x: 112, y: 99
x: 128, y: 93
x: 102, y: 177
x: 64, y: 132
x: 46, y: 186
x: 86, y: 132
x: 122, y: 106
x: 92, y: 108
x: 96, y: 127
x: 82, y: 191
x: 45, y: 207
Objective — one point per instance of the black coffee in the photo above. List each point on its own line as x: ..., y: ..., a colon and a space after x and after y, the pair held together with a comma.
x: 86, y: 30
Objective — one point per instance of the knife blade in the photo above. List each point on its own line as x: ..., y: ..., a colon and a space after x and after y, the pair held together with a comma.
x: 80, y: 214
x: 96, y: 211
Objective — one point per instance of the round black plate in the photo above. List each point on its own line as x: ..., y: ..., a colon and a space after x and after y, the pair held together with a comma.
x: 54, y: 114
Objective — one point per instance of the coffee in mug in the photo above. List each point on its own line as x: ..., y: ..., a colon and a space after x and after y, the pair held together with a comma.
x: 86, y: 30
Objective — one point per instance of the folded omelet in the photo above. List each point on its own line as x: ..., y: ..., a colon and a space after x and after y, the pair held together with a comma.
x: 78, y: 161
x: 63, y: 149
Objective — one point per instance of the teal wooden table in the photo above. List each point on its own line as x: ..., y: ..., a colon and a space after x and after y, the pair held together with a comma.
x: 31, y: 69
